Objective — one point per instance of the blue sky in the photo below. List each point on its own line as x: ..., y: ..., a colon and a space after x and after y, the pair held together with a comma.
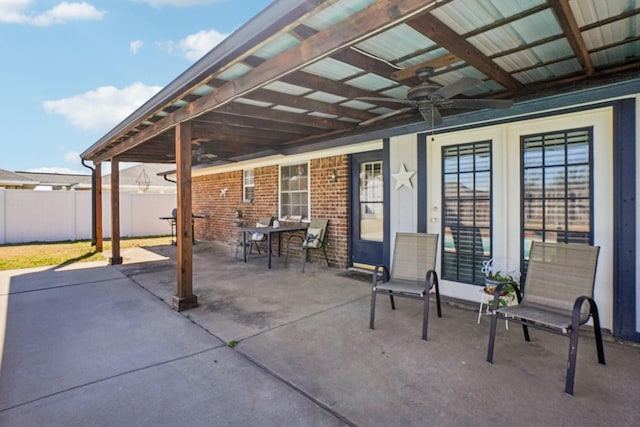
x: 66, y: 63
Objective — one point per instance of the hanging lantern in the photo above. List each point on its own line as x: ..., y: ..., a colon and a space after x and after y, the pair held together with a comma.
x: 143, y: 180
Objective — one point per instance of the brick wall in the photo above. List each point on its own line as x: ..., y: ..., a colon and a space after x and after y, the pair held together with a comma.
x: 328, y: 200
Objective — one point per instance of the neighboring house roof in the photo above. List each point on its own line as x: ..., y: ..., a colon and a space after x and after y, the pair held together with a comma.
x: 309, y: 74
x: 59, y: 180
x: 14, y: 179
x: 129, y: 178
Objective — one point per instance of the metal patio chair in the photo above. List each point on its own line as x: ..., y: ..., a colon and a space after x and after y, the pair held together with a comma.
x: 265, y: 221
x: 412, y: 274
x: 560, y: 279
x: 315, y: 238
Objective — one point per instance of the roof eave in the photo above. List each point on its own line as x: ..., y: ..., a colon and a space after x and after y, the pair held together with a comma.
x: 263, y: 26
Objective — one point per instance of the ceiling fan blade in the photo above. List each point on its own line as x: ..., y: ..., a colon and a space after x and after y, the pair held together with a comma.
x: 456, y: 87
x: 384, y: 116
x: 479, y: 103
x: 381, y: 99
x: 430, y: 114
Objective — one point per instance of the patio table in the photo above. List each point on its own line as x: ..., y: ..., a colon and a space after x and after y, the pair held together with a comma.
x: 269, y: 231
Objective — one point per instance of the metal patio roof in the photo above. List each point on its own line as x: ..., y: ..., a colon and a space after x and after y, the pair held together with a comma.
x: 293, y: 75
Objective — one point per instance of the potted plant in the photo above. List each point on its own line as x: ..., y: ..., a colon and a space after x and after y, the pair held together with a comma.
x: 494, y: 277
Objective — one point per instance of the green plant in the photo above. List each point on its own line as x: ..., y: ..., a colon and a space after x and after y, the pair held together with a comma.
x: 495, y: 277
x: 232, y: 343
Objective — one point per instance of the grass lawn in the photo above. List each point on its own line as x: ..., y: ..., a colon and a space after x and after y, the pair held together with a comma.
x: 27, y: 255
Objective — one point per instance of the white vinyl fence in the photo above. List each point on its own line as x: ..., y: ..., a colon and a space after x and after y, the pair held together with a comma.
x: 48, y: 216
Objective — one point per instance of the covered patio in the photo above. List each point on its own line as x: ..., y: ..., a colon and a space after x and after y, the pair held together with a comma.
x: 94, y: 344
x: 309, y: 75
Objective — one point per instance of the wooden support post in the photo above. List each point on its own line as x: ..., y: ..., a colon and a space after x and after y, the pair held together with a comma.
x: 184, y: 298
x: 98, y: 207
x: 115, y: 213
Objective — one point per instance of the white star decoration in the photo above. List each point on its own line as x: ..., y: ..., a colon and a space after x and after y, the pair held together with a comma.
x: 223, y: 192
x: 403, y: 177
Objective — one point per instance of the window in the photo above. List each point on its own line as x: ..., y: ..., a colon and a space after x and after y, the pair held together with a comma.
x: 557, y: 188
x: 466, y: 225
x: 294, y: 190
x: 371, y: 201
x: 247, y: 186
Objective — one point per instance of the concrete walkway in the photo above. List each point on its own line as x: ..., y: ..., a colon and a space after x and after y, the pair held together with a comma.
x: 97, y: 345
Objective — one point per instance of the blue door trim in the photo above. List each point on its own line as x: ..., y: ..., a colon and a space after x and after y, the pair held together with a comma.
x: 386, y: 244
x: 624, y: 220
x: 422, y: 183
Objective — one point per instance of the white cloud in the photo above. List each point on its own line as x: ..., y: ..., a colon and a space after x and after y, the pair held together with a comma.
x: 181, y: 3
x: 103, y: 108
x: 135, y: 46
x: 195, y: 46
x: 19, y: 12
x: 60, y: 170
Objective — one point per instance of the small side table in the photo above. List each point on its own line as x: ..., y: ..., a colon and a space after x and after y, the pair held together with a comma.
x: 487, y: 299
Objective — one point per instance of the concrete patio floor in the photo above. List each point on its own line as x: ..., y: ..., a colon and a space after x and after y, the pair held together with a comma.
x: 91, y: 344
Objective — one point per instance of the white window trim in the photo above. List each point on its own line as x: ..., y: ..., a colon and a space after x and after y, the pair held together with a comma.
x: 280, y: 166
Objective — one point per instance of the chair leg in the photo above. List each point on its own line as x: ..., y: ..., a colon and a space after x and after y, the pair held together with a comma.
x: 437, y: 296
x: 492, y: 337
x: 393, y: 303
x: 306, y: 258
x: 373, y: 309
x: 425, y: 316
x: 571, y: 361
x: 286, y: 258
x: 598, y: 332
x: 324, y: 250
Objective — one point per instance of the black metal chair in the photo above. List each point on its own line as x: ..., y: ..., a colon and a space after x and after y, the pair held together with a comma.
x: 257, y: 237
x: 315, y: 238
x: 559, y: 280
x: 412, y: 274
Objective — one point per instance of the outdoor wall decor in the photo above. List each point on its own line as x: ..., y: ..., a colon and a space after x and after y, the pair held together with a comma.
x: 403, y: 177
x: 223, y: 192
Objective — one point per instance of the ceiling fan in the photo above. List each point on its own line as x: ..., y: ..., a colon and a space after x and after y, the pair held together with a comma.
x: 428, y: 98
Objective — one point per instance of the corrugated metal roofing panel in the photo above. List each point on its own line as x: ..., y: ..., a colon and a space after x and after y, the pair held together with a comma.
x: 287, y: 88
x: 464, y: 16
x: 564, y: 68
x: 235, y: 71
x: 396, y: 92
x: 325, y: 97
x: 614, y: 54
x: 358, y: 105
x: 536, y: 55
x: 290, y: 109
x: 202, y: 90
x: 590, y: 11
x: 253, y: 102
x: 277, y: 46
x: 336, y: 13
x: 558, y: 69
x: 323, y: 115
x: 611, y: 33
x: 518, y: 33
x: 371, y: 81
x: 330, y: 68
x: 396, y: 42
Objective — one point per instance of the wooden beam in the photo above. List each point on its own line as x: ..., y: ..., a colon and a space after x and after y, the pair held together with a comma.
x: 115, y: 212
x: 439, y: 62
x: 571, y: 31
x: 278, y: 116
x: 444, y: 36
x: 372, y: 20
x: 98, y: 208
x: 184, y: 298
